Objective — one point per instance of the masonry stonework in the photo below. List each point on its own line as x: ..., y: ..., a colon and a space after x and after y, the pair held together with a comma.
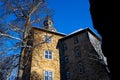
x: 92, y: 66
x: 88, y: 63
x: 39, y: 63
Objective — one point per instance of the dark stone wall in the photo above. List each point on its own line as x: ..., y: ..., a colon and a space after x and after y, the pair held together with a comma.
x: 88, y: 58
x: 105, y: 20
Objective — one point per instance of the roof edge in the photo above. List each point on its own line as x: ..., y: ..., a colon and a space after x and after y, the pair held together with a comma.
x: 62, y: 34
x: 81, y: 31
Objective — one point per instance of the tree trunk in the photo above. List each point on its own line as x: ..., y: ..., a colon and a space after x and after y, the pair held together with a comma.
x: 25, y: 40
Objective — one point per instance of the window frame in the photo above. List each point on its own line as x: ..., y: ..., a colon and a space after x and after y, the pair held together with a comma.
x: 68, y: 75
x: 75, y: 39
x: 47, y: 39
x: 65, y: 46
x: 49, y: 53
x: 66, y: 59
x: 77, y: 51
x: 80, y: 68
x: 48, y: 75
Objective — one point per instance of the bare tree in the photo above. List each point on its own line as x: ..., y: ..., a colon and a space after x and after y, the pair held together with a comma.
x: 7, y: 64
x: 17, y: 17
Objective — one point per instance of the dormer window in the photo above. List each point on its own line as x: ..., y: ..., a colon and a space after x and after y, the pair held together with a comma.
x: 46, y: 23
x: 50, y: 23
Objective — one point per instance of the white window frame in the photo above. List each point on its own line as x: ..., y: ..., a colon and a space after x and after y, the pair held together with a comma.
x: 49, y: 75
x: 48, y: 54
x: 47, y: 39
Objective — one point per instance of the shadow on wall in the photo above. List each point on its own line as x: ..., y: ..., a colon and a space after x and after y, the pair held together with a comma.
x: 35, y: 76
x: 104, y: 16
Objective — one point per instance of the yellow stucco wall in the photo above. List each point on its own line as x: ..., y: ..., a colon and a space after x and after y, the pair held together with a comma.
x: 39, y: 63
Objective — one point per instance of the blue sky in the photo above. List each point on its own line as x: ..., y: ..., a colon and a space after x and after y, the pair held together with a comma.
x: 71, y: 15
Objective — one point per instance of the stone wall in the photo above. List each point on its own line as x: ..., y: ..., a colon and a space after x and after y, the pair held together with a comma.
x: 39, y: 63
x: 88, y: 58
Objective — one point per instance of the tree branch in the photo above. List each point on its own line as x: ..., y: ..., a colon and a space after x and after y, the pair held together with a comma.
x: 9, y: 36
x: 45, y: 41
x: 36, y: 7
x: 15, y: 28
x: 38, y: 44
x: 37, y: 20
x: 8, y: 49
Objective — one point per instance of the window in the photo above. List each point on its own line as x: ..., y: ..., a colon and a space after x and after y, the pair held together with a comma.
x: 75, y: 40
x: 65, y: 46
x: 80, y: 68
x: 77, y: 51
x: 48, y: 39
x: 48, y: 75
x: 48, y: 54
x: 50, y: 23
x: 66, y: 59
x: 68, y: 75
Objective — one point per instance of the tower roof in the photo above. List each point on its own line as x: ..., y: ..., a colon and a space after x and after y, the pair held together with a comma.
x: 48, y: 24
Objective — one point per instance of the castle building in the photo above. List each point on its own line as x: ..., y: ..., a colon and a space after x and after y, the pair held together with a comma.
x: 45, y: 56
x: 81, y: 57
x: 56, y: 56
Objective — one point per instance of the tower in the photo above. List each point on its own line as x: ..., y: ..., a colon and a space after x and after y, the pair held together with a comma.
x: 45, y: 63
x: 48, y: 24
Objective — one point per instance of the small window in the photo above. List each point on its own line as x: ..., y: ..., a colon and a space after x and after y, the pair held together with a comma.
x: 46, y: 22
x: 68, y: 75
x: 50, y: 23
x: 48, y: 75
x: 80, y: 68
x: 77, y: 51
x: 75, y: 40
x: 48, y: 39
x: 66, y: 59
x: 48, y: 54
x: 65, y: 46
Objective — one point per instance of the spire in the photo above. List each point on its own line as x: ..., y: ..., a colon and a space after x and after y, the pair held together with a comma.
x: 48, y: 24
